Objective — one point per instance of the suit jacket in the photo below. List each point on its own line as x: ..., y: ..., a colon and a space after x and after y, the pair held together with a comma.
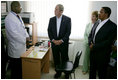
x: 92, y: 32
x: 104, y: 37
x: 65, y: 29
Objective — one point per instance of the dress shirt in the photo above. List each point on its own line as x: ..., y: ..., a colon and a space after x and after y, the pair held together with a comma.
x: 58, y: 24
x: 101, y: 23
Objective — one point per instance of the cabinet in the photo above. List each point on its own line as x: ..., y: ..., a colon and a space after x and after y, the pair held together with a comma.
x: 34, y: 38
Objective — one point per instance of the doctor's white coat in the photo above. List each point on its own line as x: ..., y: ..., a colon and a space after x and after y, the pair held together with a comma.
x: 16, y: 35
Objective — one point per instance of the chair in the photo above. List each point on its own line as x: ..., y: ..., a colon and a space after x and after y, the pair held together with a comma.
x: 69, y: 67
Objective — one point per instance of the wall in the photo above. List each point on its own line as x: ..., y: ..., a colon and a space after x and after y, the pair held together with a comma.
x: 74, y: 48
x: 96, y: 5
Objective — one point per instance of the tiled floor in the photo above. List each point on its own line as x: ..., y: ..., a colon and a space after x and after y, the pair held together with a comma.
x: 50, y: 75
x: 78, y: 74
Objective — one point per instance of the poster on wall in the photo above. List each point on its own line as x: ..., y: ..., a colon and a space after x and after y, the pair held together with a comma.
x: 3, y: 7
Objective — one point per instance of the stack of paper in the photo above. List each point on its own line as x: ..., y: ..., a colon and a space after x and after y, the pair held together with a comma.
x: 38, y: 53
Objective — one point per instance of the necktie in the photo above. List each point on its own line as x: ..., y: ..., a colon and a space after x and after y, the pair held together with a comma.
x: 19, y: 19
x: 93, y: 30
x: 18, y: 16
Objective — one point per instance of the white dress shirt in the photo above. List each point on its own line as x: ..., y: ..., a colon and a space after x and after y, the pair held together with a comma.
x: 58, y: 24
x: 99, y: 26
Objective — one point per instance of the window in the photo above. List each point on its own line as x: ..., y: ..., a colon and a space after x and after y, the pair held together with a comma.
x: 3, y: 6
x: 75, y: 9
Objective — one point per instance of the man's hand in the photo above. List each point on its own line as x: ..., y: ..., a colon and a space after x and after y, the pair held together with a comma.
x: 114, y: 48
x: 60, y: 42
x: 57, y: 42
x: 91, y: 46
x: 27, y: 39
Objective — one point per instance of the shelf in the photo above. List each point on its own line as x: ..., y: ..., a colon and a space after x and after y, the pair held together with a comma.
x: 34, y: 32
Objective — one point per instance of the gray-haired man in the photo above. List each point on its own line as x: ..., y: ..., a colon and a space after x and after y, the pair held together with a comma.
x: 59, y: 30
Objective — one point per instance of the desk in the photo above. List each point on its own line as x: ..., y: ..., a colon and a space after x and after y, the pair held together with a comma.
x: 33, y: 66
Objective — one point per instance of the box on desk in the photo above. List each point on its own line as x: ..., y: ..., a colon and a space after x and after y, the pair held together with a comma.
x: 33, y: 65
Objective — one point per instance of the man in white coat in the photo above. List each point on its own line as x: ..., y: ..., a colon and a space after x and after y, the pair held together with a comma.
x: 16, y: 35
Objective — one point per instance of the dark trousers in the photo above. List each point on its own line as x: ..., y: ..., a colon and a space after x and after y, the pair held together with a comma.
x: 60, y: 53
x: 112, y: 72
x: 4, y: 57
x: 16, y: 68
x: 97, y: 64
x: 3, y: 66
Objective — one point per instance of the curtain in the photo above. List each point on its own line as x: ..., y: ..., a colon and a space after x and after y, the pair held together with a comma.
x: 75, y: 9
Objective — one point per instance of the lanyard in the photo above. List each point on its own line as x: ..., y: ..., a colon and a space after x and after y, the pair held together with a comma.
x: 16, y: 16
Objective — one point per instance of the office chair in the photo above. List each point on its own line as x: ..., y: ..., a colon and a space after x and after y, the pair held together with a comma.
x: 69, y: 67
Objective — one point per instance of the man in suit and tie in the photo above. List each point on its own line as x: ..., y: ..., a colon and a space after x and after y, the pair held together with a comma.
x: 100, y: 41
x: 59, y: 30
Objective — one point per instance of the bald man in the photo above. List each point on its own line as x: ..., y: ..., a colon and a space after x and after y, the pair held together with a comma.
x: 16, y: 35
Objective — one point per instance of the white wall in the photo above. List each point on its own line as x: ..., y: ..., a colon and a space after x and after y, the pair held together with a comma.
x: 74, y: 48
x: 96, y: 5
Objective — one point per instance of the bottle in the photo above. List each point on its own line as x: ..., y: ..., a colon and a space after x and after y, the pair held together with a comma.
x: 48, y: 43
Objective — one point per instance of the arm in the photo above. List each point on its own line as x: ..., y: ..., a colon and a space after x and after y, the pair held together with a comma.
x: 50, y: 30
x: 50, y: 34
x: 86, y: 35
x: 66, y: 37
x: 90, y: 38
x: 27, y: 35
x: 13, y: 33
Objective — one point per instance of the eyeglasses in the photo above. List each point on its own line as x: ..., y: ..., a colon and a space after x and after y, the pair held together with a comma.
x: 19, y: 7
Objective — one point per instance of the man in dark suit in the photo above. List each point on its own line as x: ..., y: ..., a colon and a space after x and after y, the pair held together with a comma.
x: 100, y: 41
x: 59, y: 30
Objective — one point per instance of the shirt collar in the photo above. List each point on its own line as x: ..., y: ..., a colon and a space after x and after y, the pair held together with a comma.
x: 14, y: 13
x: 59, y: 17
x: 104, y: 21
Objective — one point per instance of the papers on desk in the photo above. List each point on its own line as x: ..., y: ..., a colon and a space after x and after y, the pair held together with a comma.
x: 38, y: 53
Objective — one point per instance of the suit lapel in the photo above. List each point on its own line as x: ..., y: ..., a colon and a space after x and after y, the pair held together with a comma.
x: 94, y: 29
x: 55, y: 25
x: 102, y: 28
x: 62, y: 21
